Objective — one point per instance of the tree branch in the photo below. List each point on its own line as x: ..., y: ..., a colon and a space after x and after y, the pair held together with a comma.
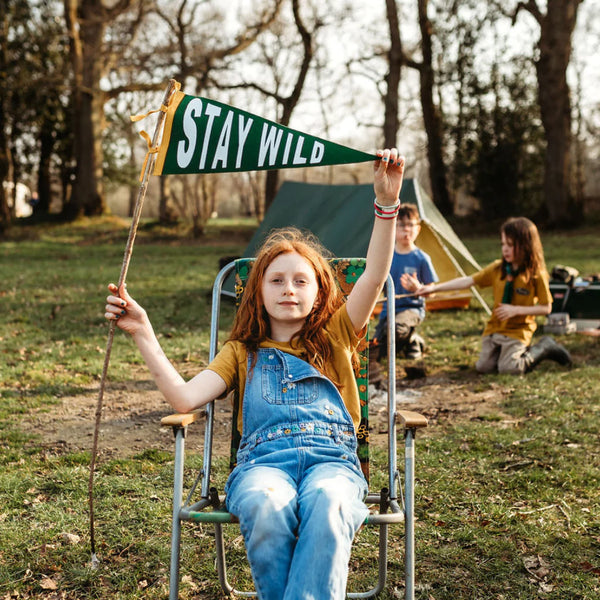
x: 248, y: 37
x: 133, y: 87
x: 250, y: 86
x: 531, y: 7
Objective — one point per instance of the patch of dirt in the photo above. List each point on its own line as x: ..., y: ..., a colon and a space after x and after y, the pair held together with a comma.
x: 442, y: 401
x: 132, y: 412
x: 130, y: 422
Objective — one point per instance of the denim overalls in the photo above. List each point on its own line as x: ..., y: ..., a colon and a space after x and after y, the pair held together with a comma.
x: 297, y: 488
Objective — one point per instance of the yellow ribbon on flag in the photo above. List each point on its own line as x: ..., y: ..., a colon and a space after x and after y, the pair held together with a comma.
x: 164, y: 108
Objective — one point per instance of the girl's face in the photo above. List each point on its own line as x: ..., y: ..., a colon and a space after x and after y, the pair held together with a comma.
x: 289, y: 290
x: 508, y: 249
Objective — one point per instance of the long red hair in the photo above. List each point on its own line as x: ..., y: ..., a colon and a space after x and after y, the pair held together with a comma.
x: 251, y: 325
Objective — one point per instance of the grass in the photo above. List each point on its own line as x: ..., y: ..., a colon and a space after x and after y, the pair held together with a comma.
x: 507, y: 504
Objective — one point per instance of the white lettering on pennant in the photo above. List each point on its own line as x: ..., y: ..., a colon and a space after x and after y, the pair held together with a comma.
x: 212, y: 111
x: 186, y: 148
x: 298, y: 158
x: 318, y: 151
x: 222, y: 149
x: 270, y: 138
x: 288, y: 146
x: 244, y: 131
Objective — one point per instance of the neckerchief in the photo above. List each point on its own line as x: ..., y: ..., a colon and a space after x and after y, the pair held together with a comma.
x: 508, y: 286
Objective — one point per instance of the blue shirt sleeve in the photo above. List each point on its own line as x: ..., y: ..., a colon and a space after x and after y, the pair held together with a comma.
x: 427, y: 272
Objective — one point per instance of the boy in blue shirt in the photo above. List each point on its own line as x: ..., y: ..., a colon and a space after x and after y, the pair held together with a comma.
x: 409, y: 264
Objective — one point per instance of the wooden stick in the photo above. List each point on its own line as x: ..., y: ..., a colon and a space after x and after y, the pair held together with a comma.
x: 111, y: 331
x: 398, y: 296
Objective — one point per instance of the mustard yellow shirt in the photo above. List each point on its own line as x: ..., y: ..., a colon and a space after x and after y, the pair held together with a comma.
x: 231, y: 363
x: 527, y: 292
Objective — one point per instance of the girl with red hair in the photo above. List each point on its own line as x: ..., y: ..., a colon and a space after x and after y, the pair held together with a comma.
x: 297, y: 488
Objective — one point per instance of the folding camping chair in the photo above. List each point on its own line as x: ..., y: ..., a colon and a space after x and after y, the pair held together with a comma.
x: 390, y: 506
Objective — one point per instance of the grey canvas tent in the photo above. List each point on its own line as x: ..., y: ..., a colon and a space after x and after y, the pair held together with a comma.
x: 341, y: 216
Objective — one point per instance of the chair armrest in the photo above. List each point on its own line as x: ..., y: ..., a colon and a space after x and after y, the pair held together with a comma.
x: 412, y: 420
x: 182, y: 419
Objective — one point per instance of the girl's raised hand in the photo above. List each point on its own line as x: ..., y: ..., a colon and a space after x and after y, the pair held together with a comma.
x: 124, y: 310
x: 389, y: 171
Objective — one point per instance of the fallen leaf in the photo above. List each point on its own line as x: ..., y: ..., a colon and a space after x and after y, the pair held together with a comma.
x: 537, y: 566
x: 70, y: 538
x: 48, y: 584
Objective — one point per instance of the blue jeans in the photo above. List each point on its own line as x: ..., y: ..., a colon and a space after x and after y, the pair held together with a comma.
x: 297, y: 489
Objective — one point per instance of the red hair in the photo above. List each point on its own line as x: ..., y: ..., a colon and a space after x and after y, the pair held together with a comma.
x: 251, y: 325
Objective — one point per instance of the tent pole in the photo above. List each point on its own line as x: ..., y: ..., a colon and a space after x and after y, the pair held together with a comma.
x: 458, y: 267
x: 479, y: 297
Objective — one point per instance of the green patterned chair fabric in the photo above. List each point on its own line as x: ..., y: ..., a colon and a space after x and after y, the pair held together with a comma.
x: 346, y: 271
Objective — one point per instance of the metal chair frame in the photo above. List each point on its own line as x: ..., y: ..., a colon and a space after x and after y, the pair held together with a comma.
x: 396, y: 505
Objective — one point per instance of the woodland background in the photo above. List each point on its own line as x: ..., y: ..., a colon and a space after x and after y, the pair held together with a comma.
x: 495, y: 104
x: 496, y: 107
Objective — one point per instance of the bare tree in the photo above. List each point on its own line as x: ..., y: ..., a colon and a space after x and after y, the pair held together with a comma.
x: 432, y: 117
x: 251, y: 186
x: 92, y: 59
x: 198, y: 55
x: 195, y: 197
x: 286, y: 102
x: 395, y: 61
x: 432, y: 120
x: 5, y: 159
x: 555, y: 46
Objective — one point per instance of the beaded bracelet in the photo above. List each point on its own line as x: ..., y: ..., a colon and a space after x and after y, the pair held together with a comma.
x: 386, y: 215
x: 386, y: 212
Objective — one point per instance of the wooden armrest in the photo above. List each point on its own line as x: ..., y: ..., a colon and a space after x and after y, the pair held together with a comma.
x: 412, y: 420
x: 182, y: 419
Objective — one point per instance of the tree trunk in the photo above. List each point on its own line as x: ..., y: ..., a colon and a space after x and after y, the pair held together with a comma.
x: 43, y: 179
x: 5, y: 216
x: 166, y: 214
x: 89, y: 184
x: 392, y: 78
x: 289, y: 103
x: 5, y: 160
x: 86, y: 23
x: 554, y: 98
x: 431, y: 115
x: 271, y: 186
x: 432, y: 119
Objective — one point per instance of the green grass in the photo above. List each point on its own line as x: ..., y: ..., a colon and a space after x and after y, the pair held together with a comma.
x: 508, y: 505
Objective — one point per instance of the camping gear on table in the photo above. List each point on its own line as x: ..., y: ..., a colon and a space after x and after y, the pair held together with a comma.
x: 578, y: 297
x: 560, y: 324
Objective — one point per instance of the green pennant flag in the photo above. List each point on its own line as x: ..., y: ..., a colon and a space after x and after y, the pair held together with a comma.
x: 205, y: 136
